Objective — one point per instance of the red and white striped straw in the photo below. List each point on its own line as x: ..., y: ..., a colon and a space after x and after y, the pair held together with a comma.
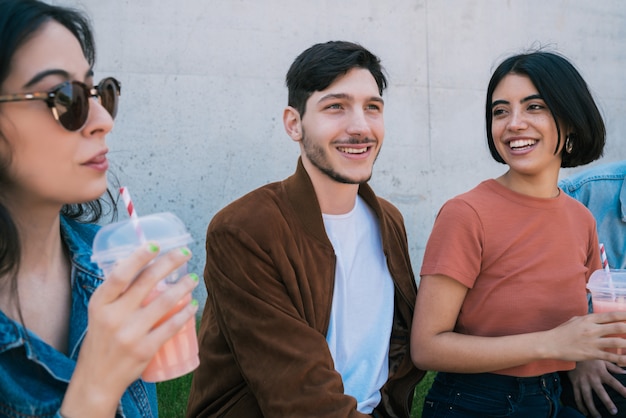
x: 130, y: 207
x: 607, y: 269
x: 605, y: 262
x: 128, y: 202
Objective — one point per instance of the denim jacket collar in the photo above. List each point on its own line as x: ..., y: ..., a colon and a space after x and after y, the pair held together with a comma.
x: 78, y: 241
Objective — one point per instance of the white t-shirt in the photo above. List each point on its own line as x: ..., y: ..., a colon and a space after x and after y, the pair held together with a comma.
x: 362, y: 308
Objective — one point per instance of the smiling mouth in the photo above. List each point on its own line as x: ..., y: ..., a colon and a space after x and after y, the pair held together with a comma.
x: 522, y: 144
x: 349, y: 150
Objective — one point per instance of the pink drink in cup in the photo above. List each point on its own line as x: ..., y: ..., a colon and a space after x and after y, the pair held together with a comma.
x: 179, y: 354
x: 608, y: 294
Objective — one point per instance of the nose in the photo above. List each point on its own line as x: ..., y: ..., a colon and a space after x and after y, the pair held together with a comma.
x: 517, y: 121
x: 358, y: 125
x: 99, y: 121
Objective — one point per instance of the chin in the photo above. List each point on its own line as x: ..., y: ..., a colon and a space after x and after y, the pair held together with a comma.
x: 352, y: 180
x: 359, y: 178
x: 91, y: 193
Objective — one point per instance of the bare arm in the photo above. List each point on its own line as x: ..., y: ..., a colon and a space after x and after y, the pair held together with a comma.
x: 122, y: 336
x: 435, y: 345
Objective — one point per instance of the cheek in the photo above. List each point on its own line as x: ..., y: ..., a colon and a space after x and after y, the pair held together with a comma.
x: 378, y: 127
x: 316, y: 131
x: 6, y: 150
x: 41, y: 155
x: 497, y: 128
x: 5, y: 160
x: 549, y: 125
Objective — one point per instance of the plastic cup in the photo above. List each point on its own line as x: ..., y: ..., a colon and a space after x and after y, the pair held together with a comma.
x: 179, y: 354
x: 608, y: 294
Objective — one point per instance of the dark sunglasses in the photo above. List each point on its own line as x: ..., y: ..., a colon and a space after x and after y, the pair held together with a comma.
x: 69, y: 102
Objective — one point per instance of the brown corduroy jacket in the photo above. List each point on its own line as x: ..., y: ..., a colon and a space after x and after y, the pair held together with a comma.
x: 269, y: 274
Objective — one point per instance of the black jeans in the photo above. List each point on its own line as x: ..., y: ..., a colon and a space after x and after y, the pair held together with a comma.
x: 485, y: 395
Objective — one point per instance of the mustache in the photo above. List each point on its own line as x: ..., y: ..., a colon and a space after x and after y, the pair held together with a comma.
x: 354, y: 141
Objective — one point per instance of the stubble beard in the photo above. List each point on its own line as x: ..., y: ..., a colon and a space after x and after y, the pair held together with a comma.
x: 318, y: 157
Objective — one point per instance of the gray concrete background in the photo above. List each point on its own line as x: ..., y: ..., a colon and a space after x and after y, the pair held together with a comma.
x: 203, y: 91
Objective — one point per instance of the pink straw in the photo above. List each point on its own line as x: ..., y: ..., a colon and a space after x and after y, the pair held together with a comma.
x: 130, y: 207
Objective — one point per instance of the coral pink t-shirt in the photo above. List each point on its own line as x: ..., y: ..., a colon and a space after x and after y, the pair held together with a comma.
x: 525, y: 261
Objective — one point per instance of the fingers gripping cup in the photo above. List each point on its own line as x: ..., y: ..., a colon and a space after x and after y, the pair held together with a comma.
x: 179, y: 355
x: 608, y: 294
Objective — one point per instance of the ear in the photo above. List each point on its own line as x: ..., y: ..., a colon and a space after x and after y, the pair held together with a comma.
x: 292, y: 123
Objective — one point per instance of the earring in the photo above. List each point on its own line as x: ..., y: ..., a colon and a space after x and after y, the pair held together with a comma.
x: 569, y: 146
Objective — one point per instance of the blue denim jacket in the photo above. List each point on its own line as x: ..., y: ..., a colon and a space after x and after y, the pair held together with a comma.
x: 603, y: 190
x: 33, y: 375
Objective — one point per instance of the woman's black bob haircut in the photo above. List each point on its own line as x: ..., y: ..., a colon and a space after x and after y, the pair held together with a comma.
x: 568, y: 98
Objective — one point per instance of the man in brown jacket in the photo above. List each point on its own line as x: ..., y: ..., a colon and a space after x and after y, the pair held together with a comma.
x: 310, y: 287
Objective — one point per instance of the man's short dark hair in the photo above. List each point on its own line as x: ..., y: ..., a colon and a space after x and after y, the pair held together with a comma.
x: 319, y: 66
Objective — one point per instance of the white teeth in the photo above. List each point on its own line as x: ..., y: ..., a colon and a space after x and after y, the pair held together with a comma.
x: 353, y: 150
x: 520, y: 143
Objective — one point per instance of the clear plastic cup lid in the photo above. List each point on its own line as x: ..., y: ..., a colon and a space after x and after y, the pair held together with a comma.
x: 600, y: 281
x: 119, y: 239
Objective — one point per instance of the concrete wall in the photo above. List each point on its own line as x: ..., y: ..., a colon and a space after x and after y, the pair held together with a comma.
x: 203, y: 91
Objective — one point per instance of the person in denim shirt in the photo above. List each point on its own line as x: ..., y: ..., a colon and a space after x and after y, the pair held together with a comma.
x: 602, y: 190
x: 71, y: 344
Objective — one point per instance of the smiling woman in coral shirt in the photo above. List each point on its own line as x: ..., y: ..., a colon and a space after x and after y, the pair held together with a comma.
x: 502, y: 300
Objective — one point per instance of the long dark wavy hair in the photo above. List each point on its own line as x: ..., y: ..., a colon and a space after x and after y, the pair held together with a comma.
x: 19, y: 21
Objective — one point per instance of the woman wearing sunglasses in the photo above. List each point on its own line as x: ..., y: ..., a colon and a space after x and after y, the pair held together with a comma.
x: 53, y: 161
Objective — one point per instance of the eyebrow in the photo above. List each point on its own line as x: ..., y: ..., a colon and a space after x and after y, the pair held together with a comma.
x: 524, y: 100
x: 46, y: 73
x: 333, y: 96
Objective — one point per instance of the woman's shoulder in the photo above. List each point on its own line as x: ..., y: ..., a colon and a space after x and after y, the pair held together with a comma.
x: 476, y: 197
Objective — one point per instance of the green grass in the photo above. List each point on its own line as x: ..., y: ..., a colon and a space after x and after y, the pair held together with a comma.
x: 173, y: 396
x: 420, y: 394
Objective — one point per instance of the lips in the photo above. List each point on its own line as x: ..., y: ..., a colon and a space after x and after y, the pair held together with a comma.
x: 98, y: 162
x: 350, y: 150
x: 519, y: 144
